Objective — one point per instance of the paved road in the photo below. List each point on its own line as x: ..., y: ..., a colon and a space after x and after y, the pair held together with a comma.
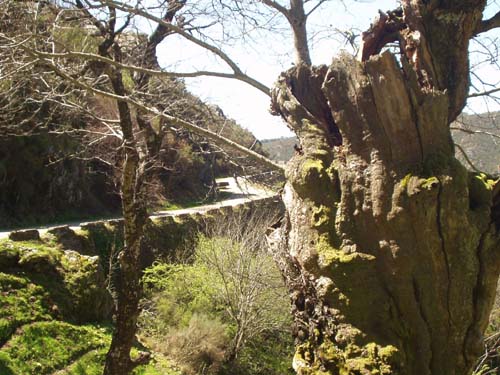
x: 239, y: 189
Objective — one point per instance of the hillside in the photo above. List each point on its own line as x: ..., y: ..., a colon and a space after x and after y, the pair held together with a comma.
x: 279, y: 149
x: 61, y: 159
x: 479, y: 137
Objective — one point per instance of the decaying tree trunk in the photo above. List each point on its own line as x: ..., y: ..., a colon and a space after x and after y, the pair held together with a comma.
x: 392, y: 246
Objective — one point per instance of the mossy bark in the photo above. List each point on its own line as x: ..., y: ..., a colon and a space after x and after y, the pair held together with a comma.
x: 128, y: 288
x: 389, y: 245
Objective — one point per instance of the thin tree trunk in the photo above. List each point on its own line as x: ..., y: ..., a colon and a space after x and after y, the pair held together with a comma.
x: 118, y: 361
x: 391, y: 246
x: 297, y: 19
x: 129, y: 291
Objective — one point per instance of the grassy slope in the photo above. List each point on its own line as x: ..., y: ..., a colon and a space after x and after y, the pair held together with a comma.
x: 39, y: 334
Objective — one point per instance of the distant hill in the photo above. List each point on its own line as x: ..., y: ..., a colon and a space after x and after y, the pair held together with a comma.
x: 279, y: 149
x: 478, y: 135
x: 480, y: 139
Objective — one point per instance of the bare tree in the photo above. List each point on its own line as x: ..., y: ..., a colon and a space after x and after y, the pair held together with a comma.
x: 250, y: 286
x: 101, y: 71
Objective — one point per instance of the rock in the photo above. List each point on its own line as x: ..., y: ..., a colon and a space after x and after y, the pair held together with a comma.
x: 9, y: 256
x: 86, y: 283
x: 67, y: 238
x: 24, y: 235
x: 42, y: 260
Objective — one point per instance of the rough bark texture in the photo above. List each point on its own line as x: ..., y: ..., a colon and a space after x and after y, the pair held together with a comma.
x: 390, y: 246
x: 128, y: 288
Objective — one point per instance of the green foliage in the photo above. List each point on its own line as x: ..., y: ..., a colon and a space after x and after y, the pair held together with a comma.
x: 193, y: 312
x: 270, y: 354
x: 46, y: 346
x: 22, y: 302
x: 246, y: 278
x: 178, y: 291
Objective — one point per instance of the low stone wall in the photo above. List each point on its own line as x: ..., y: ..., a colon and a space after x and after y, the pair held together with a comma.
x: 164, y: 233
x: 79, y: 257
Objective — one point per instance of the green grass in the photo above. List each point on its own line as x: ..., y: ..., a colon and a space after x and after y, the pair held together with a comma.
x: 22, y: 302
x: 60, y: 348
x: 92, y: 363
x: 33, y: 342
x: 43, y: 347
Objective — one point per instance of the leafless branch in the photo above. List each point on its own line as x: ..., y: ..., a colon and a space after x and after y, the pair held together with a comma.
x: 467, y: 159
x: 175, y: 121
x: 237, y: 72
x: 488, y: 24
x: 484, y: 93
x: 474, y: 131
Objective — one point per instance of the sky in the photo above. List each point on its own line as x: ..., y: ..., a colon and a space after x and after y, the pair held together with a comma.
x: 268, y: 54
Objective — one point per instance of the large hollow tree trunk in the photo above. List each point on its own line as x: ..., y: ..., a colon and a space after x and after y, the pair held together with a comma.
x: 391, y: 245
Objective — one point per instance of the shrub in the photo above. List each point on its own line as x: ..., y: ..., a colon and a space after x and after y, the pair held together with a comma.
x: 200, y: 347
x: 219, y: 312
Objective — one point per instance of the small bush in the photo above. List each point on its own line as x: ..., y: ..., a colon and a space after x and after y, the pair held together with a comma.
x: 200, y: 347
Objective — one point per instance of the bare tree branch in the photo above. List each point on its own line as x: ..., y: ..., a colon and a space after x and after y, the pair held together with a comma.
x: 489, y: 24
x: 277, y: 6
x: 217, y: 51
x: 320, y: 2
x: 174, y: 121
x: 467, y: 159
x: 470, y: 131
x: 484, y: 93
x: 153, y: 72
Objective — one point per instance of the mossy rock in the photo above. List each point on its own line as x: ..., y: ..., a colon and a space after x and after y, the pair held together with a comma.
x: 25, y: 235
x: 40, y: 259
x: 85, y: 282
x: 31, y: 256
x: 104, y: 239
x: 75, y: 283
x: 67, y: 238
x: 9, y: 256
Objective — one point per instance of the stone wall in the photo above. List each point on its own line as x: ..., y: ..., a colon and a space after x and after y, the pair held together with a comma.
x: 78, y: 259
